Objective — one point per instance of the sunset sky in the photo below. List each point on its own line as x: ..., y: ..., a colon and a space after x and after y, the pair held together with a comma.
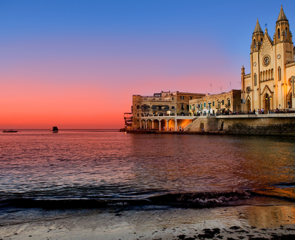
x: 76, y: 64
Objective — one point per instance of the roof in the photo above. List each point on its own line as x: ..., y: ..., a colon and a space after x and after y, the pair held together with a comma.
x: 257, y: 27
x: 282, y: 15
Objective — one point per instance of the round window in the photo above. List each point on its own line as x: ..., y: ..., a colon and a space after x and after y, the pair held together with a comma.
x: 266, y: 60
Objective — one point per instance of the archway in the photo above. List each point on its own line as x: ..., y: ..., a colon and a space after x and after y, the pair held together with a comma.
x: 156, y: 124
x: 142, y: 124
x: 171, y: 125
x: 248, y: 105
x: 289, y: 100
x: 266, y: 103
x: 221, y: 126
x: 163, y: 125
x: 202, y: 126
x: 149, y: 124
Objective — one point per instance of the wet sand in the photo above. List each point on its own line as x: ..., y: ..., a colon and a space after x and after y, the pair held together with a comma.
x: 160, y: 222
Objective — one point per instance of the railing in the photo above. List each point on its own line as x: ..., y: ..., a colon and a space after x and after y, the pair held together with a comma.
x: 153, y: 99
x: 276, y: 111
x: 281, y: 111
x: 158, y: 115
x: 236, y: 113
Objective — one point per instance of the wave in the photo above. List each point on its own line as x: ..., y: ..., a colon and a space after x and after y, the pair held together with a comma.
x: 198, y: 199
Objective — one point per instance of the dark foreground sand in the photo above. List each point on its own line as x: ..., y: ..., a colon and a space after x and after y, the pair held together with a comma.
x: 242, y: 222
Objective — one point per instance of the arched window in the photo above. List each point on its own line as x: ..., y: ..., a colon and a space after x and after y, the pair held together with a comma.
x: 269, y: 76
x: 263, y: 75
x: 138, y: 106
x: 286, y: 32
x: 254, y: 43
x: 261, y: 41
x: 260, y: 76
x: 272, y: 73
x: 279, y: 73
x: 279, y: 34
x: 255, y: 79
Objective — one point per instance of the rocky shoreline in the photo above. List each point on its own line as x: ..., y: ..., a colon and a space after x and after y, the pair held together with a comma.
x: 235, y: 233
x: 271, y: 222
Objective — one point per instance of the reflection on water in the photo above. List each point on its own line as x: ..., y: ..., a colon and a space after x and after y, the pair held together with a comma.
x: 117, y: 165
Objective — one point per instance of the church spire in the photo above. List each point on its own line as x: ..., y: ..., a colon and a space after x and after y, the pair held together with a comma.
x: 282, y: 15
x: 257, y: 38
x: 257, y: 27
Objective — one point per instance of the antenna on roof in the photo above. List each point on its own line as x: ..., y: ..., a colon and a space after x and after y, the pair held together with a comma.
x: 221, y: 88
x: 211, y: 88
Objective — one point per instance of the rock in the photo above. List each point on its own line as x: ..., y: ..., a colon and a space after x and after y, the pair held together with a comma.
x: 181, y: 236
x: 234, y: 227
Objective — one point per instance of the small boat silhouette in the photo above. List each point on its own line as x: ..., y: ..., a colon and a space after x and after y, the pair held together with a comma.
x: 9, y: 131
x: 54, y: 129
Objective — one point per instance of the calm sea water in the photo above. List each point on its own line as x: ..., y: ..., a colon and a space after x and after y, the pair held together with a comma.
x: 38, y: 165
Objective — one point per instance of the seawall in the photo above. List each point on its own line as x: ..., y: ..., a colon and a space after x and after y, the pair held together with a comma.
x: 252, y: 124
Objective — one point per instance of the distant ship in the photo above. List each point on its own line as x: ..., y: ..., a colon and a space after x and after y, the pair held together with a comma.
x: 54, y: 130
x: 9, y: 131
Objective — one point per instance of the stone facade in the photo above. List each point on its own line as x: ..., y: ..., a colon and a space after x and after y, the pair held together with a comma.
x: 275, y: 125
x: 161, y: 104
x: 263, y: 124
x: 208, y: 123
x: 272, y: 64
x: 216, y: 103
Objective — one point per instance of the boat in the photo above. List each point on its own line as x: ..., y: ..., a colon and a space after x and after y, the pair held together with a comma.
x: 9, y: 131
x: 54, y: 129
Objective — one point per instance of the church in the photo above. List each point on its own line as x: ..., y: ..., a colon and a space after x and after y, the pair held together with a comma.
x: 270, y: 84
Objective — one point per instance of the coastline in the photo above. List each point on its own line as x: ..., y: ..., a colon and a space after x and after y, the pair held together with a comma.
x: 209, y: 133
x: 161, y: 222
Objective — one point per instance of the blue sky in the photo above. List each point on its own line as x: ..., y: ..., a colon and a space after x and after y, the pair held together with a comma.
x: 128, y: 47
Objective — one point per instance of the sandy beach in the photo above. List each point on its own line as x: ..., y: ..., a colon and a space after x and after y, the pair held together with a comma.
x: 158, y: 222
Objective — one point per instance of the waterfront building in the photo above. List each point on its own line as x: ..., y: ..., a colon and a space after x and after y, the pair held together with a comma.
x: 270, y: 84
x: 162, y: 110
x: 216, y: 103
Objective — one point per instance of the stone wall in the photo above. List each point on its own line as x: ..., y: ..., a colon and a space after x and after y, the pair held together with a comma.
x: 250, y: 125
x: 258, y: 126
x: 209, y: 123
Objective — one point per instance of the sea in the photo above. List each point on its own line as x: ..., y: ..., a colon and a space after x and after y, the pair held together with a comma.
x: 90, y: 169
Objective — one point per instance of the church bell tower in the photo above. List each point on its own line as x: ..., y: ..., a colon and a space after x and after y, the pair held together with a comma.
x: 257, y: 38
